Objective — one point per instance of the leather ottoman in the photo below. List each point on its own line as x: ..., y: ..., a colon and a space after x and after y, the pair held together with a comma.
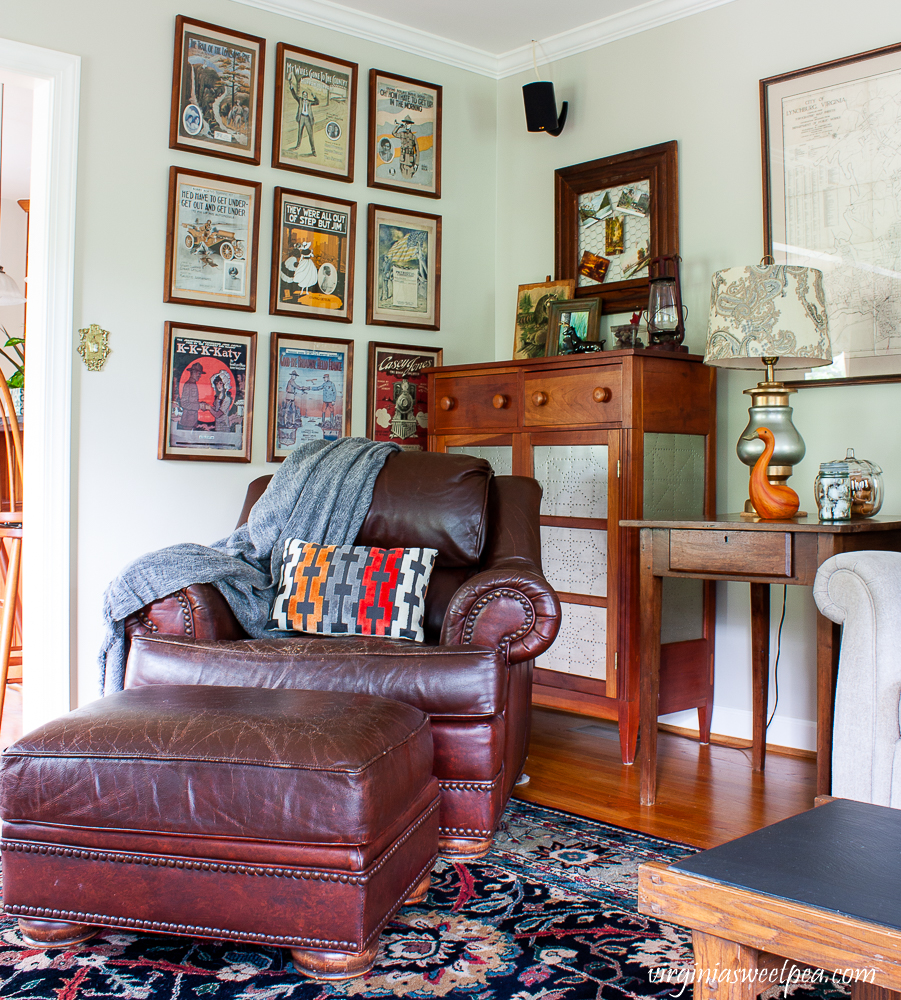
x: 301, y: 819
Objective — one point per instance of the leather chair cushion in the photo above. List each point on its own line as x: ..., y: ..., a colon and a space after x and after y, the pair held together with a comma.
x: 447, y: 681
x: 430, y: 500
x: 291, y: 766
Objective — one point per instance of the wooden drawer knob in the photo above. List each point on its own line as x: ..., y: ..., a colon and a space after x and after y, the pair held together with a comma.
x: 601, y: 394
x: 499, y: 401
x: 539, y: 398
x: 447, y: 402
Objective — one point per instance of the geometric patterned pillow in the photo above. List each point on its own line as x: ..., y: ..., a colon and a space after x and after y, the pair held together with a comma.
x: 352, y: 590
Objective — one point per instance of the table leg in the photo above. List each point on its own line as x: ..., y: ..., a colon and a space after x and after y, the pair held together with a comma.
x: 760, y: 670
x: 828, y: 642
x: 650, y: 591
x: 731, y: 967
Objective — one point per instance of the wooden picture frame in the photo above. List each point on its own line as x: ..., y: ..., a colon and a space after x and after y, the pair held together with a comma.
x: 404, y: 151
x: 827, y: 158
x: 302, y: 405
x: 313, y: 241
x: 584, y: 315
x: 327, y: 116
x: 532, y: 302
x: 397, y: 403
x: 639, y: 193
x: 206, y: 403
x: 212, y: 235
x: 403, y: 268
x: 205, y: 118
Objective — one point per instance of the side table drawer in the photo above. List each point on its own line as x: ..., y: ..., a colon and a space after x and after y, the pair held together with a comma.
x: 581, y: 398
x: 481, y: 401
x: 740, y: 552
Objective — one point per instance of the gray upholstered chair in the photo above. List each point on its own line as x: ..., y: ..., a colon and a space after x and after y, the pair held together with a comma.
x: 862, y: 592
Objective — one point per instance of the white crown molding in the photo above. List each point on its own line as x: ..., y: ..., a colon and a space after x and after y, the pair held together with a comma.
x: 373, y: 28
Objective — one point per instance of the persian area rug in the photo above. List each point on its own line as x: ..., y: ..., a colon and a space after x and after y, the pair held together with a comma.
x: 549, y: 914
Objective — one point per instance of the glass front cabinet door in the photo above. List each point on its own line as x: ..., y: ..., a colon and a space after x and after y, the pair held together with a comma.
x: 622, y: 434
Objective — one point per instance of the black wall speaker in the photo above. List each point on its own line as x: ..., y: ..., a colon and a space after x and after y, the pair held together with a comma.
x: 541, y: 108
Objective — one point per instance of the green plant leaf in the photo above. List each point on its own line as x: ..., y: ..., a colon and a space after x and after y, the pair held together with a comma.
x: 13, y: 341
x: 16, y: 380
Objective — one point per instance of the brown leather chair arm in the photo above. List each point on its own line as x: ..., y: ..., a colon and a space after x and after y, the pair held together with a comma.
x: 508, y: 605
x: 198, y: 611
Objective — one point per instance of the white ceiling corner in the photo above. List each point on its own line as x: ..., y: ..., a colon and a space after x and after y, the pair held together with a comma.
x: 633, y: 19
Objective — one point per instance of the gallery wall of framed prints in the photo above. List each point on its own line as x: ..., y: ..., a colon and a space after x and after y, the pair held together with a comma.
x: 213, y: 247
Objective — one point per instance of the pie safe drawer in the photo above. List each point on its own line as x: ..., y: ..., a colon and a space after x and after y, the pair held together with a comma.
x: 585, y: 398
x: 741, y: 552
x: 482, y: 401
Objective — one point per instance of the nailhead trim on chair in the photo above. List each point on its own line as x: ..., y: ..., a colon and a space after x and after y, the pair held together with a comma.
x: 465, y: 831
x: 469, y: 786
x: 483, y: 603
x: 187, y: 611
x: 147, y: 622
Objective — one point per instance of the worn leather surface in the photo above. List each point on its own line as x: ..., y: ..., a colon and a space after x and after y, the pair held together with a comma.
x: 288, y: 765
x: 447, y: 681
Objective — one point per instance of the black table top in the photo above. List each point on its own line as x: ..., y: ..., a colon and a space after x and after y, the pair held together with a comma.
x: 844, y: 857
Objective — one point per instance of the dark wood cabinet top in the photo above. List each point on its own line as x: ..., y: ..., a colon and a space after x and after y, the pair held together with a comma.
x: 881, y: 522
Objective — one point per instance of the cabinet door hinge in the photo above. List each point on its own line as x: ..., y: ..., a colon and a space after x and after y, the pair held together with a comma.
x: 618, y: 468
x: 616, y: 661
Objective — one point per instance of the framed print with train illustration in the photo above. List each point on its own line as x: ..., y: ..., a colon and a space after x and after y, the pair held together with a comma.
x: 315, y: 113
x: 217, y: 91
x: 403, y: 268
x: 312, y: 256
x: 211, y: 240
x: 404, y: 135
x: 612, y: 216
x: 206, y: 404
x: 397, y: 404
x: 310, y: 382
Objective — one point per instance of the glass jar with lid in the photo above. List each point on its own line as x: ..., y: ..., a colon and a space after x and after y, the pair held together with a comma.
x: 866, y: 485
x: 832, y: 489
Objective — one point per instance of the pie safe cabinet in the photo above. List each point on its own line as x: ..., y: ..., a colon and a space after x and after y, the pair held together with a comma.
x: 611, y: 435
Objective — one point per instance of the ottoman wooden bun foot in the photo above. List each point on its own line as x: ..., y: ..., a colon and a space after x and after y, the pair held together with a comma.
x: 54, y: 933
x: 334, y: 965
x: 420, y: 892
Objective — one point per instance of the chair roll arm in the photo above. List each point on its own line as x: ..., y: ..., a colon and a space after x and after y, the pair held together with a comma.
x: 508, y: 605
x: 862, y: 592
x: 198, y: 611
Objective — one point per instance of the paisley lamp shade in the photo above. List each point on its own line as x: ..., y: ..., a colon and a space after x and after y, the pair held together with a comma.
x: 768, y: 311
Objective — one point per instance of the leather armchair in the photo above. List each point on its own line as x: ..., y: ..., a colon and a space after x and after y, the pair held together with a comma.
x: 862, y: 592
x: 489, y: 612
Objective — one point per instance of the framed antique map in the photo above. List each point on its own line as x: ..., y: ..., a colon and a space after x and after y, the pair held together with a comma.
x: 831, y: 152
x: 211, y: 240
x: 217, y: 91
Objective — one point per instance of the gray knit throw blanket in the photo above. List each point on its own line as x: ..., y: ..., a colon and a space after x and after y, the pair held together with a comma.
x: 320, y: 493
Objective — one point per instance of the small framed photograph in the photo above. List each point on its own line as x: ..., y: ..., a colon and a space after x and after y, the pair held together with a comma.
x: 217, y: 91
x: 572, y: 322
x: 397, y: 402
x: 211, y: 240
x: 404, y: 134
x: 310, y: 382
x: 206, y: 405
x: 532, y: 302
x: 403, y: 264
x: 312, y: 256
x: 315, y: 113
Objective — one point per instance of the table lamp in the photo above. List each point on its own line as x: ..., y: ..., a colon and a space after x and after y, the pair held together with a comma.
x: 764, y: 314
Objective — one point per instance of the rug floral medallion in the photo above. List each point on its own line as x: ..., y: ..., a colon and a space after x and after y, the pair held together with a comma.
x: 550, y: 914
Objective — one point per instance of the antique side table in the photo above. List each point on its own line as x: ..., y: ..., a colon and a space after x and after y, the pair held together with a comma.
x: 760, y: 553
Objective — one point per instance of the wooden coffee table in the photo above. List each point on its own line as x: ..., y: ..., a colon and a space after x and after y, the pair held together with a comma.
x: 821, y: 890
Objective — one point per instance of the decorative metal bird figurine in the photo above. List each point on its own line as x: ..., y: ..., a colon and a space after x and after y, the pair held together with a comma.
x: 772, y: 501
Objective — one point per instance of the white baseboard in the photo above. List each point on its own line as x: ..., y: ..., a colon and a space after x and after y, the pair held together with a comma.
x: 799, y: 734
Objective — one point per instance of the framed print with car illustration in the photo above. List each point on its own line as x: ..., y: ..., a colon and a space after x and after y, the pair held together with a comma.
x: 217, y: 91
x: 403, y: 264
x: 206, y: 404
x: 310, y: 382
x: 312, y: 256
x: 315, y: 113
x: 404, y: 134
x: 612, y: 216
x: 211, y: 240
x: 397, y: 403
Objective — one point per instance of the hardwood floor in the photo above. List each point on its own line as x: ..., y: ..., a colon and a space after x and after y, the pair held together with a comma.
x: 706, y: 795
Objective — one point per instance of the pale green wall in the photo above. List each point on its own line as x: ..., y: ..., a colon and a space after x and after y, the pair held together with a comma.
x: 696, y: 81
x: 127, y: 501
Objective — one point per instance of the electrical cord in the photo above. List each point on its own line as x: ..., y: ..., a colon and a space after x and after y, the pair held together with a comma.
x: 778, y: 651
